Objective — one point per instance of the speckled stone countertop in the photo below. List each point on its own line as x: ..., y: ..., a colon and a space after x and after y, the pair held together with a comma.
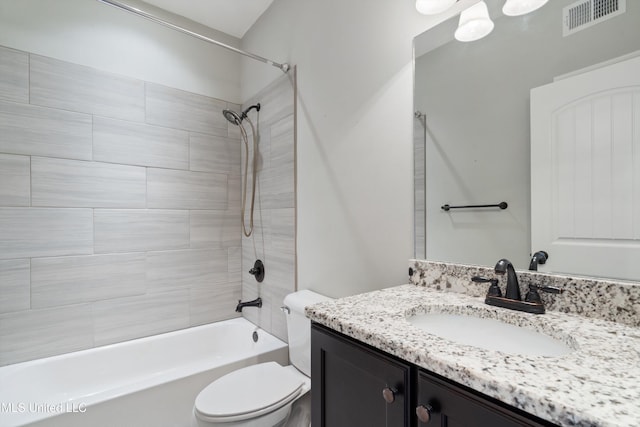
x: 597, y: 384
x: 605, y: 299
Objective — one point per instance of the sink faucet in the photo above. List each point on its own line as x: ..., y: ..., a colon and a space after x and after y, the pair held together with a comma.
x: 513, y: 288
x: 512, y: 299
x: 254, y: 303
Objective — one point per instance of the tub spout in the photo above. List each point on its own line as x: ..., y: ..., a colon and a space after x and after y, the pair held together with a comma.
x: 255, y: 303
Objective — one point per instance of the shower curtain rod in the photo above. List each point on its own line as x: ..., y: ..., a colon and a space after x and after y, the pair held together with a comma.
x: 284, y: 67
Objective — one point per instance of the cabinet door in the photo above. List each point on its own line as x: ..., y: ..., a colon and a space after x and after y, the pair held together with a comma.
x: 348, y: 382
x: 454, y: 406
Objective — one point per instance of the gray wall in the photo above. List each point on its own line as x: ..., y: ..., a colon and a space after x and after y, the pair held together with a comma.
x: 354, y: 123
x: 119, y: 208
x: 476, y: 97
x: 97, y: 35
x: 274, y: 237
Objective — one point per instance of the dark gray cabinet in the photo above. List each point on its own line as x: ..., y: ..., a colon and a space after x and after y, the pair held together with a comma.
x: 356, y: 385
x: 353, y: 385
x: 450, y: 405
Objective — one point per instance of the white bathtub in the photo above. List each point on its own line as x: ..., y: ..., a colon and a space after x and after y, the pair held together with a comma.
x: 150, y: 381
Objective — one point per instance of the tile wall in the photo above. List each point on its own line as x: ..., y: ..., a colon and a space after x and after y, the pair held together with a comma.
x: 274, y: 238
x: 119, y: 207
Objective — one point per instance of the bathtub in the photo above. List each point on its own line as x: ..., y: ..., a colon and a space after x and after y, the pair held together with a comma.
x: 150, y: 381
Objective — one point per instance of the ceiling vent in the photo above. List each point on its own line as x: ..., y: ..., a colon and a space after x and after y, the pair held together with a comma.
x: 585, y: 13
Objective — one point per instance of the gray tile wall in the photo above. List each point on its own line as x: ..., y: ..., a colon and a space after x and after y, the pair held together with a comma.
x: 37, y: 131
x: 274, y: 237
x: 119, y: 208
x: 14, y: 69
x: 15, y: 180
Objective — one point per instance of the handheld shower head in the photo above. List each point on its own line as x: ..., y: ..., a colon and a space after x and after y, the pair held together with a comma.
x: 237, y: 118
x: 233, y: 117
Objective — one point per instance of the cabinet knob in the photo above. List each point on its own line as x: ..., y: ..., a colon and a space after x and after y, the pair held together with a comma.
x: 424, y: 413
x: 389, y: 394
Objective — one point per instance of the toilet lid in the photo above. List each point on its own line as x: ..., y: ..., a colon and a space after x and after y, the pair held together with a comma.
x: 248, y: 392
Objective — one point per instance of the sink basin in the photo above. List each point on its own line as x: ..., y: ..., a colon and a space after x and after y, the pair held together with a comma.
x: 490, y: 334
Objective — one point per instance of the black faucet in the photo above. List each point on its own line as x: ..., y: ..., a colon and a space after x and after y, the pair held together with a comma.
x: 513, y: 288
x: 254, y: 303
x: 512, y: 299
x: 539, y: 257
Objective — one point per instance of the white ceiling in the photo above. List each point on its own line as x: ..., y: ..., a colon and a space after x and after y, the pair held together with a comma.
x: 233, y: 17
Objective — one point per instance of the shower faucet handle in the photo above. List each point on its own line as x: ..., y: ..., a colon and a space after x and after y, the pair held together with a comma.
x: 258, y: 271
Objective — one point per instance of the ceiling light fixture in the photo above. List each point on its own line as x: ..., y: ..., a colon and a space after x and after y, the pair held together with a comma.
x: 433, y: 7
x: 521, y: 7
x: 474, y: 23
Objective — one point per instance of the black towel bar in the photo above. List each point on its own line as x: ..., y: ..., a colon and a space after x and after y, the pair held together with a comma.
x: 501, y: 205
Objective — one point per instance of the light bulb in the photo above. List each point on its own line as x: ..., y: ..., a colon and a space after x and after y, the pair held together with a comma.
x: 474, y: 23
x: 433, y: 7
x: 521, y: 7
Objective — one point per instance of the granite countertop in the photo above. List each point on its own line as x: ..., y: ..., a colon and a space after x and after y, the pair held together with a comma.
x: 597, y: 384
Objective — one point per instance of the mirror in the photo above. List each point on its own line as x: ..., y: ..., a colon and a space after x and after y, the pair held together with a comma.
x: 471, y: 125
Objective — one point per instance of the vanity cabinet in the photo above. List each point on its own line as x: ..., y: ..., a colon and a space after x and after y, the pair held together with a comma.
x: 445, y: 404
x: 356, y: 385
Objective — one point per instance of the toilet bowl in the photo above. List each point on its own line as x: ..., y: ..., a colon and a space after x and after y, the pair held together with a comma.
x: 262, y: 395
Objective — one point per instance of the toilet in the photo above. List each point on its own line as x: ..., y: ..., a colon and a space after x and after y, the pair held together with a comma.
x: 262, y: 395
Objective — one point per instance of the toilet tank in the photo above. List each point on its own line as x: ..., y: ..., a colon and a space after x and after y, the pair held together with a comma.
x: 299, y: 328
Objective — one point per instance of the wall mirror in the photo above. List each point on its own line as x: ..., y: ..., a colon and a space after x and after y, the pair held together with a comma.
x: 472, y: 133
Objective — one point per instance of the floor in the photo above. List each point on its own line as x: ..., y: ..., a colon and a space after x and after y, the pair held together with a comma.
x: 300, y: 413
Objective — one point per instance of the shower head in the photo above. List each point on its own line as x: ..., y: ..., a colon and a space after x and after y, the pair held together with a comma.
x: 237, y: 118
x: 233, y: 117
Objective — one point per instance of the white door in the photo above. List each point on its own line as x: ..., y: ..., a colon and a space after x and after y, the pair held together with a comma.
x: 585, y: 172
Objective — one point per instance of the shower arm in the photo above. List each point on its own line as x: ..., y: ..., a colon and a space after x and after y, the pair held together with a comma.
x: 253, y: 107
x: 284, y: 67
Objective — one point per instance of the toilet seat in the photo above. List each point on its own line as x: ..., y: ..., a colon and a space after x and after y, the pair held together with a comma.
x: 248, y: 393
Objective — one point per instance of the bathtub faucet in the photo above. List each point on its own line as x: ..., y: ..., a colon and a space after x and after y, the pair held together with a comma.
x: 255, y: 303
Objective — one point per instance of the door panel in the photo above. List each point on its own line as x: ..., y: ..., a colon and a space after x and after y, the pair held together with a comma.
x: 585, y: 172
